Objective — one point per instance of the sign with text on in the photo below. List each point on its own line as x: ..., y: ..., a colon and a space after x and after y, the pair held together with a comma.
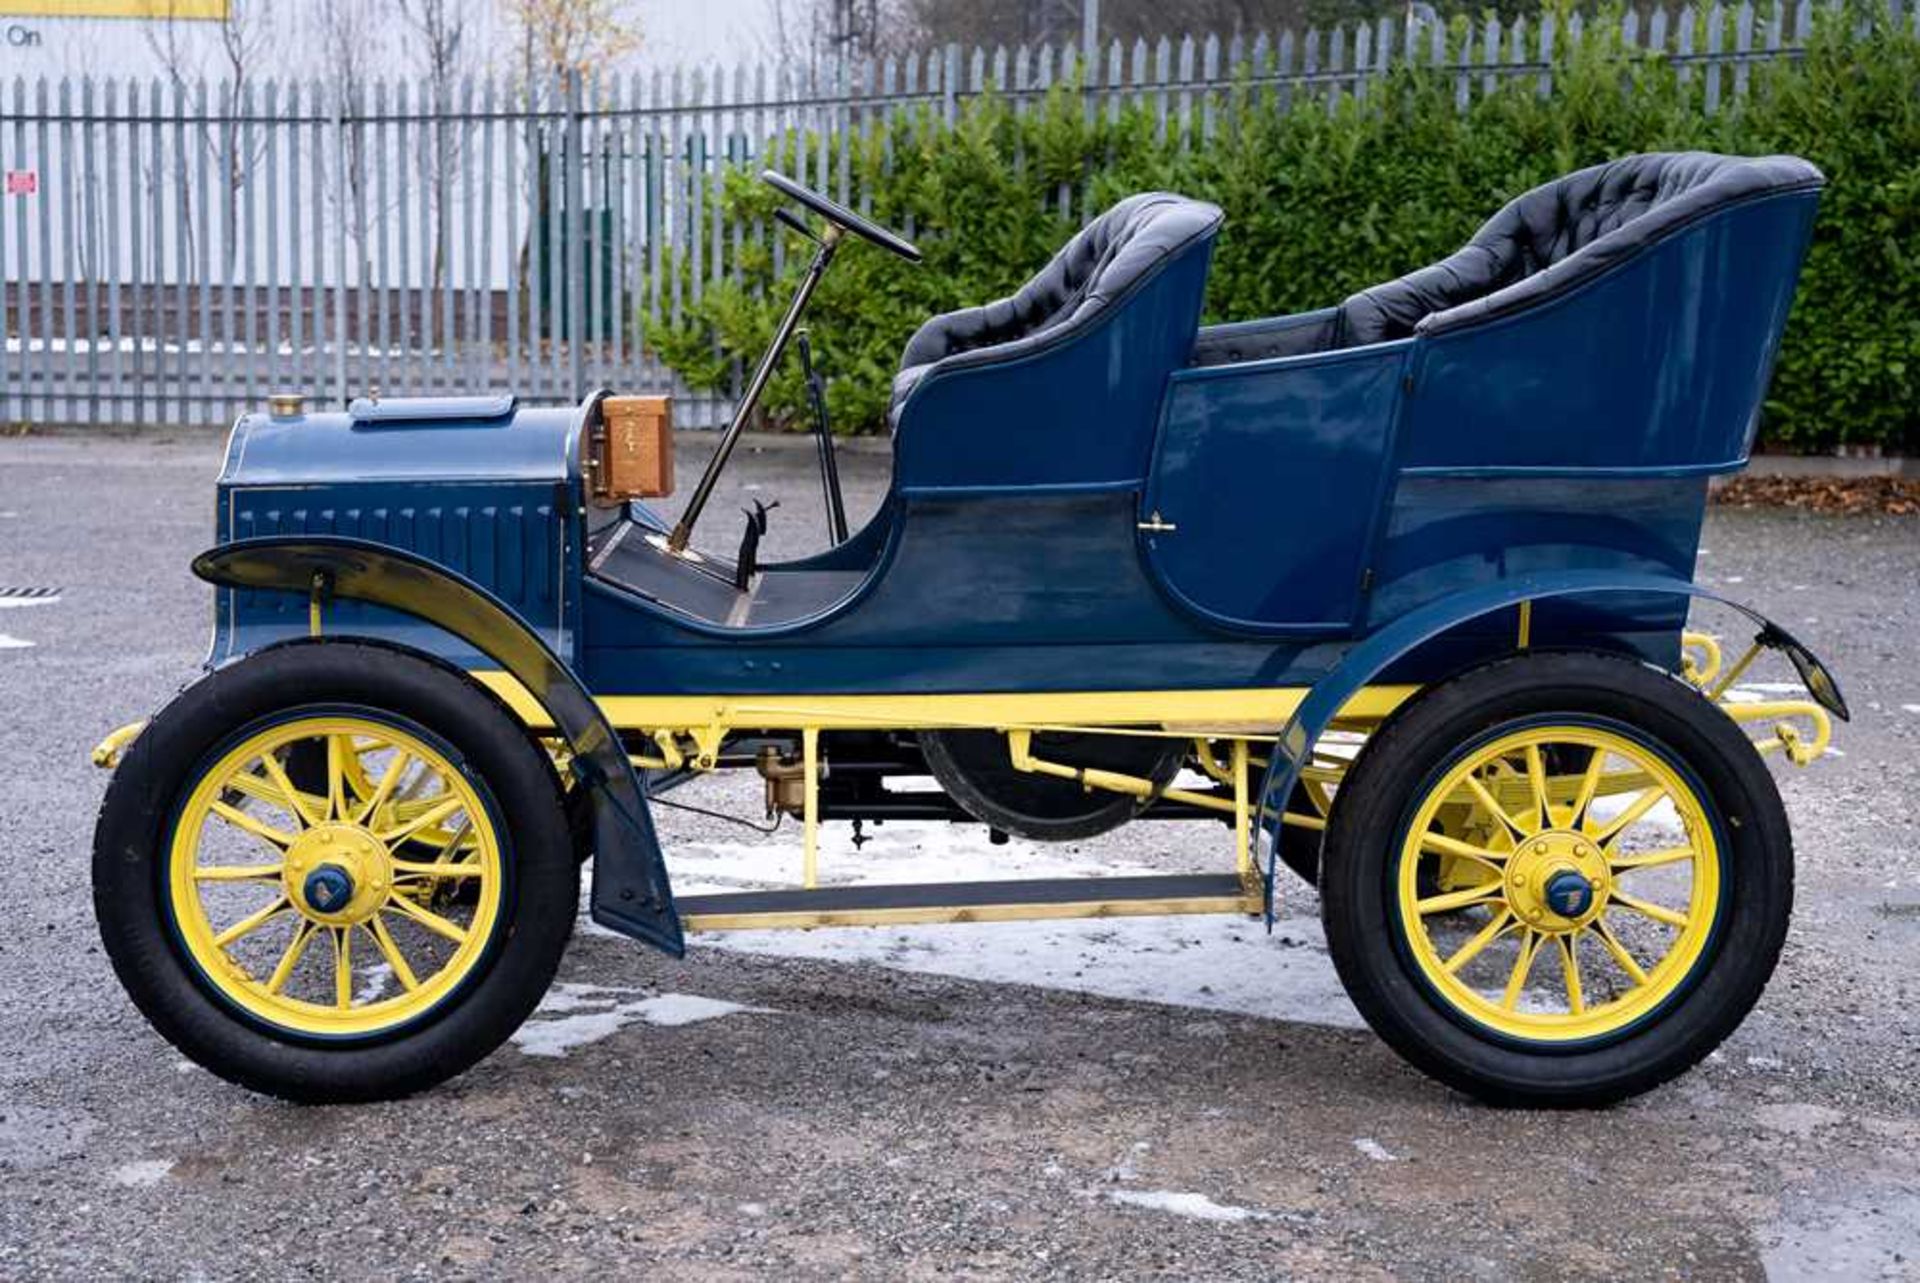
x: 184, y: 10
x: 23, y: 182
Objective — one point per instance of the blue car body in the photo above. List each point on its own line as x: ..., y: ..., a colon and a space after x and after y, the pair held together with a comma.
x: 1147, y: 505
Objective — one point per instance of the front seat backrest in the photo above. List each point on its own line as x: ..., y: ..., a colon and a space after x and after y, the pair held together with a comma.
x: 1104, y: 261
x: 1549, y: 239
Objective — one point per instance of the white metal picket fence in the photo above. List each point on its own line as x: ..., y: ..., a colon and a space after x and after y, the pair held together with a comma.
x: 173, y: 252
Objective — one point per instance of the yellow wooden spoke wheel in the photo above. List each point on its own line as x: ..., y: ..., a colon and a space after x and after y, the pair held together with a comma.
x: 316, y: 911
x: 1588, y: 902
x: 334, y: 871
x: 1559, y: 879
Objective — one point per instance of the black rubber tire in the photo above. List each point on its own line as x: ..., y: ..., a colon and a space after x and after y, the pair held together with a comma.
x: 1382, y: 791
x: 976, y: 769
x: 540, y: 893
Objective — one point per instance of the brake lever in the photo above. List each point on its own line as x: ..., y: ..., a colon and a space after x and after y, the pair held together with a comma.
x: 748, y: 560
x: 823, y: 435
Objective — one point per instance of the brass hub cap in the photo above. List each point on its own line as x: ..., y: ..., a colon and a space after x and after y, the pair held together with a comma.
x: 1557, y: 881
x: 337, y: 873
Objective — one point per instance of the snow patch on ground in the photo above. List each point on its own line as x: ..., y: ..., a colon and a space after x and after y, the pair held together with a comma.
x: 374, y: 986
x: 575, y: 1015
x: 1762, y: 692
x: 1184, y: 1203
x: 1226, y: 964
x: 1661, y: 821
x: 13, y: 643
x: 144, y: 1174
x: 1374, y: 1149
x: 1910, y: 708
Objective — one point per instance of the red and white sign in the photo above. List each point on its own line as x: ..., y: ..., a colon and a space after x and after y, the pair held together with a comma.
x: 23, y: 182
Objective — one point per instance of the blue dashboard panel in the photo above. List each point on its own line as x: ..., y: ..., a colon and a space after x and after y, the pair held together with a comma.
x: 1270, y: 473
x: 1078, y: 413
x: 1659, y: 363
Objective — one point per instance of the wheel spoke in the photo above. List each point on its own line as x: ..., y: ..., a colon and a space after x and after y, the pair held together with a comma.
x: 252, y: 922
x: 237, y: 873
x: 291, y: 957
x: 455, y: 836
x: 1487, y: 799
x: 1637, y: 808
x: 1658, y: 912
x: 1589, y: 785
x: 261, y: 788
x: 337, y: 750
x: 354, y: 768
x: 427, y: 818
x: 1650, y: 859
x: 1441, y: 844
x: 343, y: 967
x: 1570, y: 965
x: 241, y: 820
x: 1494, y: 929
x: 1459, y: 899
x: 1517, y: 979
x: 290, y: 797
x: 384, y: 790
x: 390, y: 950
x: 444, y: 870
x: 429, y: 919
x: 1537, y: 777
x: 1619, y: 951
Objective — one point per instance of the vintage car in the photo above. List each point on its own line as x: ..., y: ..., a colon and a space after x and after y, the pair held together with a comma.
x: 1393, y: 592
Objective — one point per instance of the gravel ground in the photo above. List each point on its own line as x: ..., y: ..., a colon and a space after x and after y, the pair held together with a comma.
x: 870, y: 1121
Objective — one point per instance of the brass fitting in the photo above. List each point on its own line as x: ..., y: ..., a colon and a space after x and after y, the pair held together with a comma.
x: 786, y: 779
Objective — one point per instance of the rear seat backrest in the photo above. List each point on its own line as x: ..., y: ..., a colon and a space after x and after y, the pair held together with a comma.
x: 1549, y: 239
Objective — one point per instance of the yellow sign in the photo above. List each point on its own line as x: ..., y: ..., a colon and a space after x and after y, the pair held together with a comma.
x: 185, y: 10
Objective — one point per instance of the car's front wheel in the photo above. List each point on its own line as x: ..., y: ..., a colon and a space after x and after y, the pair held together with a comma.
x: 358, y: 932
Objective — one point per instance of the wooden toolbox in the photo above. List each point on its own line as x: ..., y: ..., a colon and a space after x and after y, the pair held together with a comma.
x: 632, y: 449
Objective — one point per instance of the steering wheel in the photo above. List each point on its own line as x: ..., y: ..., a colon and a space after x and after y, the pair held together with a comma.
x: 840, y: 216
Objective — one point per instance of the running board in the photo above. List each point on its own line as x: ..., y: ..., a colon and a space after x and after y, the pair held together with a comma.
x: 1015, y: 901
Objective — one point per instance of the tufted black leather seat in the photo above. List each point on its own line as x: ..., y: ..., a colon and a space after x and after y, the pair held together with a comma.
x: 1098, y: 268
x: 1552, y: 238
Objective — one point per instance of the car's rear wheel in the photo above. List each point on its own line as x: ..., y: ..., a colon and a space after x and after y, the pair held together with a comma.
x: 1625, y: 914
x: 360, y: 928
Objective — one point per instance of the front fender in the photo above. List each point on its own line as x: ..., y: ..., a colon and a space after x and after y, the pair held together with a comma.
x: 1361, y: 663
x: 631, y: 893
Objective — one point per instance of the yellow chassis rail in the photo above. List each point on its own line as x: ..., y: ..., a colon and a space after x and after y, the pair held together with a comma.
x: 1224, y: 728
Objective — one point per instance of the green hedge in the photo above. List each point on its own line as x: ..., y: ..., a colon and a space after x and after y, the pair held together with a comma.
x: 1322, y: 203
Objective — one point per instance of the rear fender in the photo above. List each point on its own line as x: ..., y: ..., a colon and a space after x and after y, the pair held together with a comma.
x: 631, y: 893
x: 1366, y: 659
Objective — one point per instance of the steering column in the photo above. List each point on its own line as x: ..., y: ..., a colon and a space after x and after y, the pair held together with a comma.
x: 839, y: 221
